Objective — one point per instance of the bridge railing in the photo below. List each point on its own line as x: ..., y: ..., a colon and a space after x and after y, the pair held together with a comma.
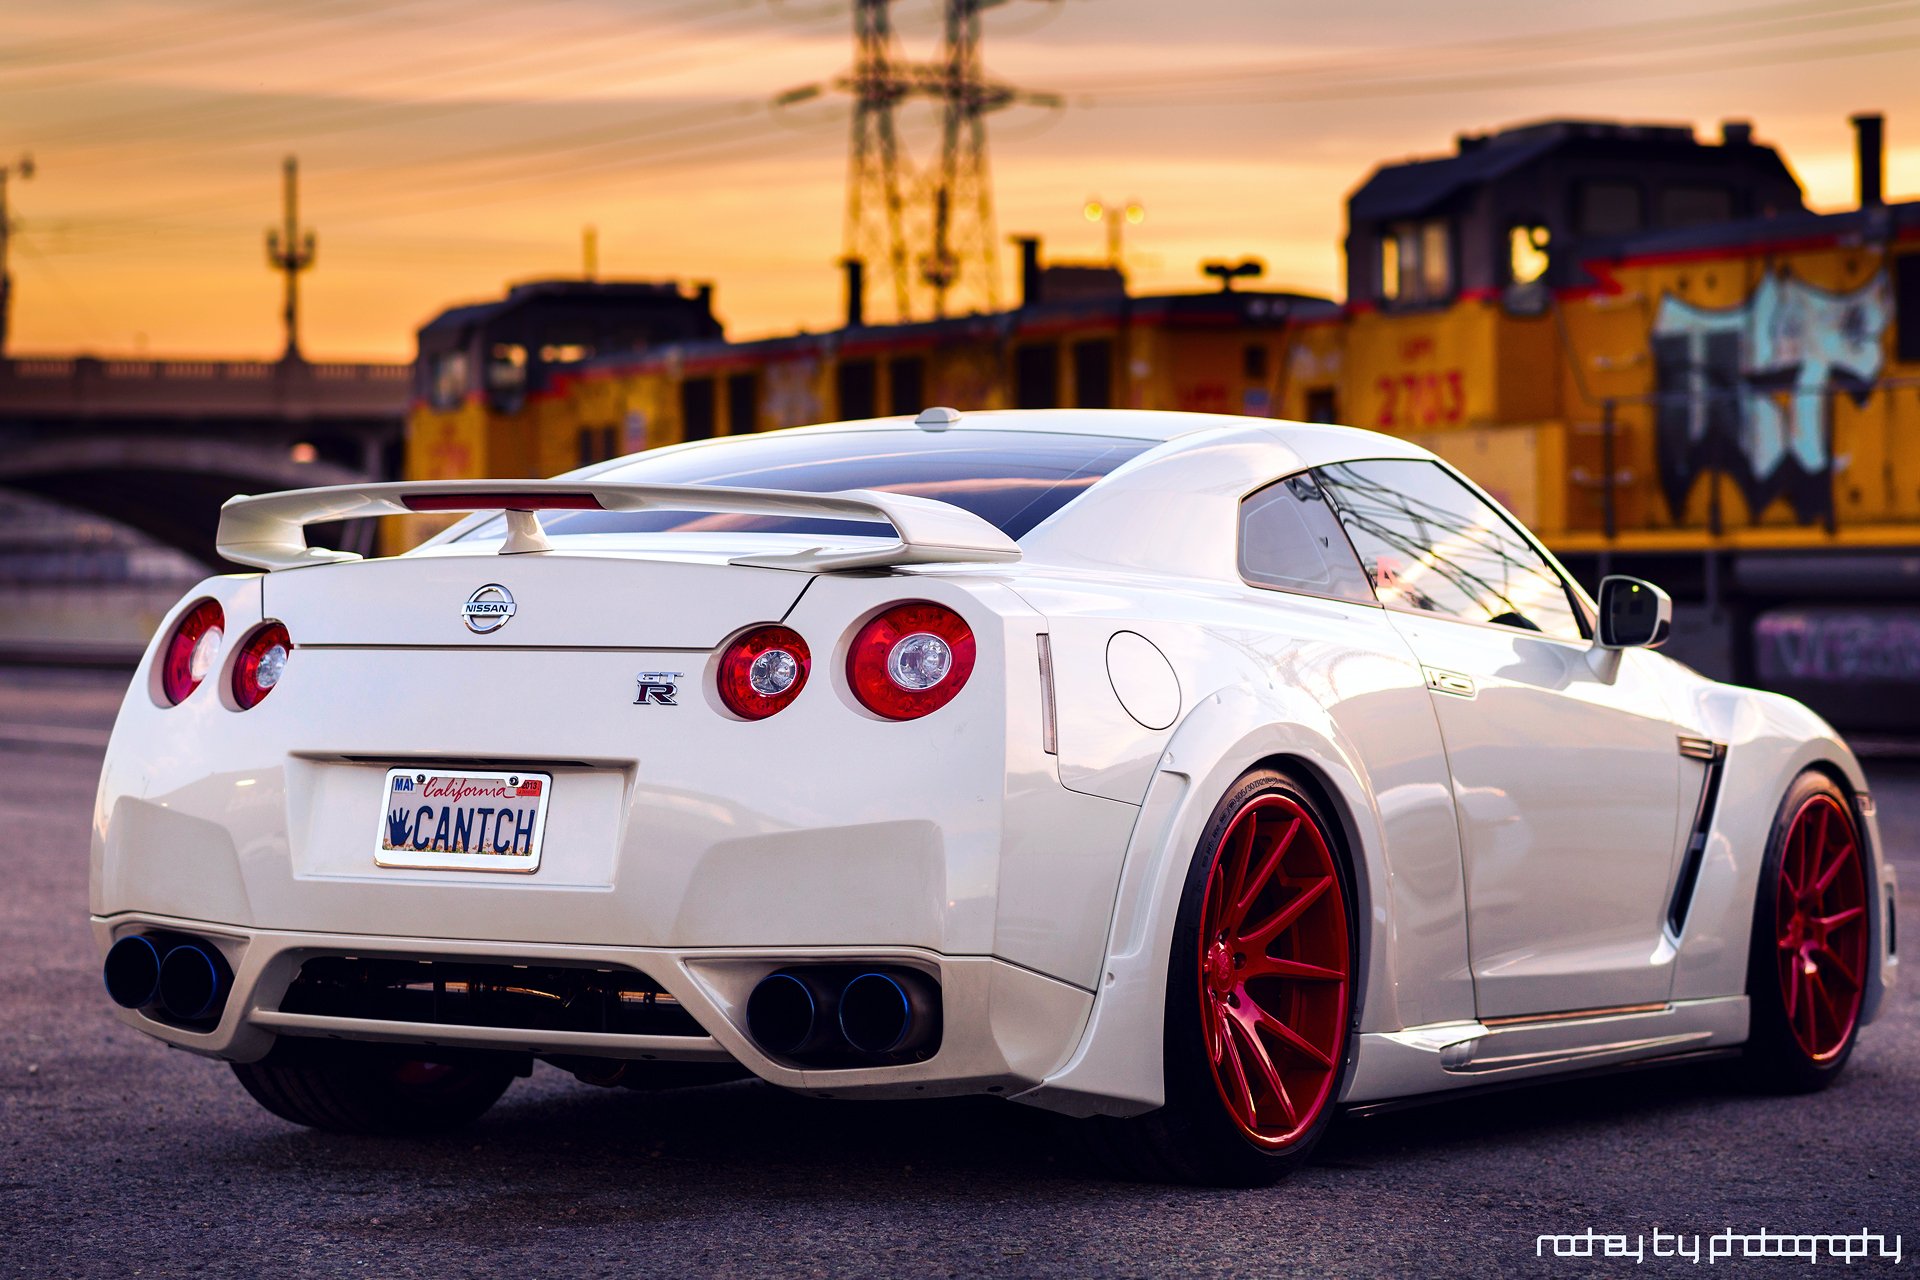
x: 87, y: 386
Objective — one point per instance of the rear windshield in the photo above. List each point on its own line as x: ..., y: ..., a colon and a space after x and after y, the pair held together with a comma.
x: 1011, y: 479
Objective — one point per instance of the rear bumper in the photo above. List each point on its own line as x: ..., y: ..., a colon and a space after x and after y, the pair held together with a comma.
x: 1005, y: 1027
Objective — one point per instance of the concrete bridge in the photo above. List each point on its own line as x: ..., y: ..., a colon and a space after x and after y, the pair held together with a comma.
x: 160, y: 444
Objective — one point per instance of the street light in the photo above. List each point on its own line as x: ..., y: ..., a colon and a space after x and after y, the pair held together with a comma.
x: 1115, y: 216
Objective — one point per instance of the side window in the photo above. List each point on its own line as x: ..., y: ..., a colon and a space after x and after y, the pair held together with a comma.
x: 1290, y: 539
x: 1428, y: 542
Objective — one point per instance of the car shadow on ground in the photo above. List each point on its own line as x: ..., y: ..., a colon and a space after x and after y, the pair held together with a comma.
x: 746, y: 1141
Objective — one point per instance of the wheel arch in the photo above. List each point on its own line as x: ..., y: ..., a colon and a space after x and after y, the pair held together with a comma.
x: 1118, y: 1068
x: 1771, y: 740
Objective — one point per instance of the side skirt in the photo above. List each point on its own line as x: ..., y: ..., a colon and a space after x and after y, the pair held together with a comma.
x: 1387, y: 1106
x: 1444, y: 1057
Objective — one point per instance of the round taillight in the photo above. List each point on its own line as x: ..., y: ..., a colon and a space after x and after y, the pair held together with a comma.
x: 763, y: 671
x: 262, y: 661
x: 911, y: 660
x: 192, y: 650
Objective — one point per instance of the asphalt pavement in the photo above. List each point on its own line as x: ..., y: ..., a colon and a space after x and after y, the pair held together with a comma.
x: 121, y: 1157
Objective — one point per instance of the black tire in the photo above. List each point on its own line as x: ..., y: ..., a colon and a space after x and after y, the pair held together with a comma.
x: 1194, y: 1137
x: 1776, y: 1059
x: 373, y: 1089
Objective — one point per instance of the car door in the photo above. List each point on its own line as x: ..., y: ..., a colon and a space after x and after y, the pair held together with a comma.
x: 1565, y: 781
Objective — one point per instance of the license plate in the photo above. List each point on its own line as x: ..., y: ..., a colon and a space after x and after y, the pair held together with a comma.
x: 463, y: 820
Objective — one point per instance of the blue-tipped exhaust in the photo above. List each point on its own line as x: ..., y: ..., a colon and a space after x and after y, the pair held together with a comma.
x: 885, y: 1014
x: 791, y: 1015
x: 132, y: 971
x: 194, y: 979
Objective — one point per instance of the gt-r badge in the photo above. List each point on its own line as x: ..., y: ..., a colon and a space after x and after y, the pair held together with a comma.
x: 488, y: 609
x: 659, y: 688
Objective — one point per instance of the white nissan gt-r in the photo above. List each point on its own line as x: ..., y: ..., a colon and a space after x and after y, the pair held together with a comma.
x: 1196, y: 775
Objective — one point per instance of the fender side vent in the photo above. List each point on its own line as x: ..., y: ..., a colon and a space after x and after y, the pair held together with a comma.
x: 1696, y: 852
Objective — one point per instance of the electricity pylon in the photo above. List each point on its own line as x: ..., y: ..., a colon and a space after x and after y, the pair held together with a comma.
x: 933, y: 234
x: 291, y: 252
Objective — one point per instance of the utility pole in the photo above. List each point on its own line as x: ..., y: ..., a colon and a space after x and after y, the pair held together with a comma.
x: 23, y: 167
x: 291, y: 252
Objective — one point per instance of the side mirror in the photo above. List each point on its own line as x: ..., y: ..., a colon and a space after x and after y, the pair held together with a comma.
x: 1633, y: 614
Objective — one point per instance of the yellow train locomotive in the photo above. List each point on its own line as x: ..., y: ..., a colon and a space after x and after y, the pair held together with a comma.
x: 1643, y: 342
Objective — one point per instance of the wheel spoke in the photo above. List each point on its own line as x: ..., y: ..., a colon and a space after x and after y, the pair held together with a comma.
x: 1257, y: 938
x: 1269, y: 1074
x: 1832, y: 961
x: 1790, y: 979
x: 1239, y: 854
x: 1261, y: 965
x: 1293, y: 1039
x: 1839, y: 918
x: 1240, y: 1078
x: 1840, y: 860
x: 1807, y: 1011
x: 1826, y: 1000
x: 1250, y: 887
x: 1215, y: 903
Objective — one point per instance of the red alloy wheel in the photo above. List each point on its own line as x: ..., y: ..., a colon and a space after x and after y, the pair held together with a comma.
x: 1274, y: 971
x: 1820, y: 909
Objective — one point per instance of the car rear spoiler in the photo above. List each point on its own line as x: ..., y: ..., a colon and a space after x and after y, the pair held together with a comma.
x: 270, y: 530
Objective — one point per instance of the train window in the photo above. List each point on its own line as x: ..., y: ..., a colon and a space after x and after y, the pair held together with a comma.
x: 564, y: 353
x: 507, y: 366
x: 1416, y: 261
x: 859, y: 388
x: 743, y: 404
x: 1428, y: 542
x: 596, y: 444
x: 1906, y: 308
x: 449, y: 386
x: 506, y: 376
x: 1253, y: 362
x: 1093, y: 374
x: 1291, y: 540
x: 1323, y: 404
x: 1695, y: 206
x: 1610, y: 208
x: 1436, y: 260
x: 906, y: 386
x: 1527, y: 252
x: 1036, y: 377
x: 698, y: 411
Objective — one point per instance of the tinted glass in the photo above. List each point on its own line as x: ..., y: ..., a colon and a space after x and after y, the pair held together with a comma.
x: 1429, y: 542
x: 1290, y: 539
x: 1011, y: 479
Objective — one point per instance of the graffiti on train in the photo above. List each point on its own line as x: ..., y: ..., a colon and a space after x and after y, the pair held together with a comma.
x: 1748, y: 391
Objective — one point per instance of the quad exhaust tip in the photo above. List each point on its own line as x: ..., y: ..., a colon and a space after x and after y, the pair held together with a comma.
x: 132, y: 971
x: 181, y: 979
x: 843, y: 1016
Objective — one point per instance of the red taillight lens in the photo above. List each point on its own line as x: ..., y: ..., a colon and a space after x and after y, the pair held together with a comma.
x: 262, y: 661
x: 763, y: 671
x: 192, y: 650
x: 911, y: 660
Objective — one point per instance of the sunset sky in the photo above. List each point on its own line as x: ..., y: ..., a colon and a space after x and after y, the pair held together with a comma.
x: 448, y: 147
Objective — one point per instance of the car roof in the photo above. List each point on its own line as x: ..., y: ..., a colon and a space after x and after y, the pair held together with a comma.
x: 1156, y: 426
